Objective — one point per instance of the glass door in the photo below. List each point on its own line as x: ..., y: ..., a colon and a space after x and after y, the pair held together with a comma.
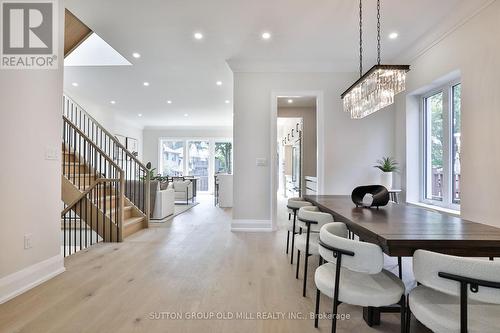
x: 198, y: 162
x: 171, y: 158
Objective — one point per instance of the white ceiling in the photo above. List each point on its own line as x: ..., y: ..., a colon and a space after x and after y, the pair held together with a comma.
x: 306, y: 35
x: 297, y: 102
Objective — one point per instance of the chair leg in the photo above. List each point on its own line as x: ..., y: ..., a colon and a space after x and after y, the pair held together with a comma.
x: 408, y: 315
x: 293, y: 235
x: 298, y: 264
x: 400, y: 267
x: 287, y: 241
x: 316, y: 310
x: 403, y: 314
x: 334, y: 316
x: 306, y: 259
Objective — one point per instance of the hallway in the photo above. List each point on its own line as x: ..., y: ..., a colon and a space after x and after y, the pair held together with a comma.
x: 191, y: 264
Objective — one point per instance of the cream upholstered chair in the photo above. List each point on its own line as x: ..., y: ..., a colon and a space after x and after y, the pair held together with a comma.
x: 455, y: 294
x: 310, y: 221
x: 354, y: 275
x: 183, y: 190
x: 293, y: 205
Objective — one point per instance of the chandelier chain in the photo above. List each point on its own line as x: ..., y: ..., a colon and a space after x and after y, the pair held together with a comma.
x: 378, y: 32
x: 360, y: 38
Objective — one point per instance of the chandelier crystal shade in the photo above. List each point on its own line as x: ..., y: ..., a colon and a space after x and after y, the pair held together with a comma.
x: 375, y: 89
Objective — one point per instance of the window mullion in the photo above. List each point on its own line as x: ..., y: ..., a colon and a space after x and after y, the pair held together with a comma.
x: 447, y: 199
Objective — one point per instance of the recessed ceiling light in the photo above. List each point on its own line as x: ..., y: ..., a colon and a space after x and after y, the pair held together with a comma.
x: 290, y: 101
x: 169, y: 102
x: 185, y: 115
x: 198, y: 35
x: 219, y: 83
x: 74, y: 84
x: 227, y: 101
x: 139, y: 115
x: 146, y: 84
x: 266, y: 35
x: 393, y: 35
x: 113, y: 102
x: 136, y: 55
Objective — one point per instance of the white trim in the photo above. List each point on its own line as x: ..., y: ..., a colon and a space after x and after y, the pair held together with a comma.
x: 19, y: 282
x: 320, y: 142
x: 241, y: 225
x: 435, y: 208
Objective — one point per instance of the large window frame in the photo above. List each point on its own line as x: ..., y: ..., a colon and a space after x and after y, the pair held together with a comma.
x: 447, y: 199
x: 186, y: 140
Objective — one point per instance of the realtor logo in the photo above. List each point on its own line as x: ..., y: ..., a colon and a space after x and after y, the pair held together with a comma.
x: 28, y: 34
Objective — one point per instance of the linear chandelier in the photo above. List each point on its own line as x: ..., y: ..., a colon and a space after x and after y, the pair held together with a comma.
x: 376, y: 88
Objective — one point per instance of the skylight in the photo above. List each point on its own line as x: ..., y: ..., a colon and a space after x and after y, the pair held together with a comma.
x: 94, y: 51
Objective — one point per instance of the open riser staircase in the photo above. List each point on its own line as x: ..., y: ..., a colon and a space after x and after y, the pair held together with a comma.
x: 105, y: 188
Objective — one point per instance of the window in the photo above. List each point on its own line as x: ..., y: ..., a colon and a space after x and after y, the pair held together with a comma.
x: 223, y: 157
x: 441, y: 142
x: 199, y: 155
x: 201, y: 158
x: 171, y: 158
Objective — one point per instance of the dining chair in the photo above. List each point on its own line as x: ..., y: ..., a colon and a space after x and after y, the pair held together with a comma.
x: 310, y: 220
x: 455, y: 294
x: 293, y: 204
x: 354, y: 274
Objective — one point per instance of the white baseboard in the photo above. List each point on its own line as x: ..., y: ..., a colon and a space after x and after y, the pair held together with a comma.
x: 19, y: 282
x: 252, y: 226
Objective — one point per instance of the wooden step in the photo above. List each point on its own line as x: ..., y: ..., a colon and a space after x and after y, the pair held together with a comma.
x: 132, y: 225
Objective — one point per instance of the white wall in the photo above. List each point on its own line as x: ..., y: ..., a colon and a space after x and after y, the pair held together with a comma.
x: 112, y: 121
x: 474, y: 51
x: 351, y: 146
x: 151, y: 138
x: 30, y: 197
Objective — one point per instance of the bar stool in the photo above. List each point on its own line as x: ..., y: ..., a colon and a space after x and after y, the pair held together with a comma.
x: 310, y: 219
x: 294, y: 204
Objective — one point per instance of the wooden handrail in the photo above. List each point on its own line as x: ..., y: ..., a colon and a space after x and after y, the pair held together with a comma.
x: 96, y: 147
x: 111, y: 136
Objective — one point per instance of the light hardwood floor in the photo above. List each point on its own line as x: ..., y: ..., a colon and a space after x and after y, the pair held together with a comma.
x: 193, y: 263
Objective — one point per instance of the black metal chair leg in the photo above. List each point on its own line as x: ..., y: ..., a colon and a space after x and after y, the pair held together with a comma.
x: 287, y: 240
x: 316, y: 310
x: 298, y: 264
x: 400, y: 268
x: 306, y: 259
x: 403, y: 314
x: 293, y: 235
x: 408, y: 315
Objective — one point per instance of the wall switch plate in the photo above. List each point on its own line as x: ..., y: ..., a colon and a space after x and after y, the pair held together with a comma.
x: 51, y: 153
x: 261, y: 162
x: 27, y: 241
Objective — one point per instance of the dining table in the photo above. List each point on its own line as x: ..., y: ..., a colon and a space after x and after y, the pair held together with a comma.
x: 401, y: 229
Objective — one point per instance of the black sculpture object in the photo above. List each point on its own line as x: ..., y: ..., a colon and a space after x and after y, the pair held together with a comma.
x: 380, y: 195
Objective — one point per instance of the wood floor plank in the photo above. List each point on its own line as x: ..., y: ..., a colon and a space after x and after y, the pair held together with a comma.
x: 192, y: 263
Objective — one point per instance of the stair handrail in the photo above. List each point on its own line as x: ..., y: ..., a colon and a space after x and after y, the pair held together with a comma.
x: 144, y: 204
x: 111, y: 136
x: 96, y: 147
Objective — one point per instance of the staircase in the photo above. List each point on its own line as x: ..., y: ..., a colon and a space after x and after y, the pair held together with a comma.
x: 105, y: 188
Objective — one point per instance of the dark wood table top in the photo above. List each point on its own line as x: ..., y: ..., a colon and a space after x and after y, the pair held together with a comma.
x: 401, y: 229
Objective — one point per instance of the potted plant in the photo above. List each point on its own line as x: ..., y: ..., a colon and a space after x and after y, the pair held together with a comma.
x: 388, y: 166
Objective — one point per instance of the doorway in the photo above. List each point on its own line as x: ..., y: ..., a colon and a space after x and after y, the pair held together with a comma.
x: 296, y: 148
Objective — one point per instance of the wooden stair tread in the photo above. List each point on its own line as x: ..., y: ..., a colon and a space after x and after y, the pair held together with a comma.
x: 132, y: 220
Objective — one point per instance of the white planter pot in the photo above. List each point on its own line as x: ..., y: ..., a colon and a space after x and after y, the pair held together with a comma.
x: 386, y: 179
